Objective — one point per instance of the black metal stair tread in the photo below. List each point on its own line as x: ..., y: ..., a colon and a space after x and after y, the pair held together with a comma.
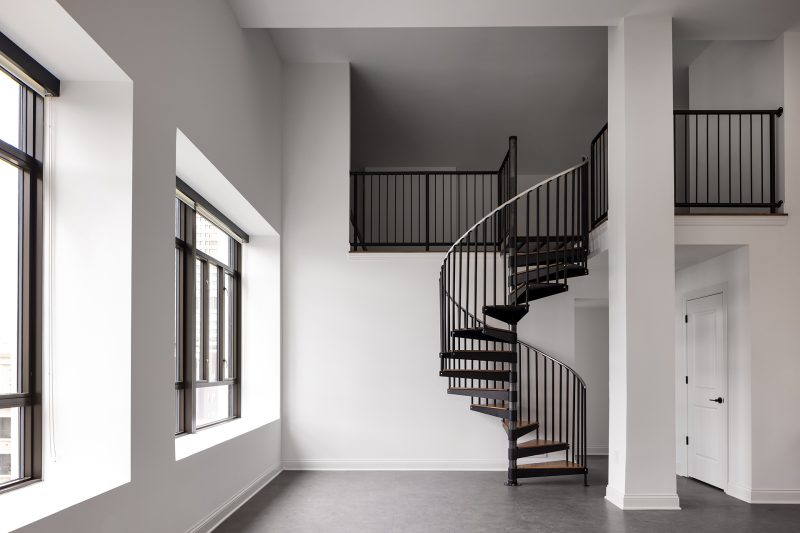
x: 525, y: 293
x: 552, y: 465
x: 486, y: 375
x: 551, y: 245
x: 499, y: 356
x: 502, y: 411
x: 510, y: 314
x: 522, y: 259
x: 466, y: 353
x: 496, y: 394
x: 485, y: 333
x: 544, y: 287
x: 547, y: 273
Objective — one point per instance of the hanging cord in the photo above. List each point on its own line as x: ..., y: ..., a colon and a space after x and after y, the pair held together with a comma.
x: 49, y: 180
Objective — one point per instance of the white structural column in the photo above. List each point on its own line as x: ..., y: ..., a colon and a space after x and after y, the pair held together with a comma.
x: 641, y: 265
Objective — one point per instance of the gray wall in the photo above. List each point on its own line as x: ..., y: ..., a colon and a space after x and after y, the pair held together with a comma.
x: 193, y: 68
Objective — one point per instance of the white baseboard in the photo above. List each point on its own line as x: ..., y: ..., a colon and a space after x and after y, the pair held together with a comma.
x: 739, y: 492
x: 213, y: 520
x: 397, y: 464
x: 643, y: 502
x: 764, y: 496
x: 781, y: 496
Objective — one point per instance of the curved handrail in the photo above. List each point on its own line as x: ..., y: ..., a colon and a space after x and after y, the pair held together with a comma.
x: 492, y: 213
x: 511, y: 201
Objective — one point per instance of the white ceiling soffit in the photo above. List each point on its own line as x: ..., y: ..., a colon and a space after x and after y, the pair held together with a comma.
x: 694, y: 19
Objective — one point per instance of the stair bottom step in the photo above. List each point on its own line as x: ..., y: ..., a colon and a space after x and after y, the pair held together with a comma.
x: 550, y: 468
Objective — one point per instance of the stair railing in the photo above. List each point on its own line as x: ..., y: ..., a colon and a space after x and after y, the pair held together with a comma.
x: 541, y: 236
x: 598, y: 177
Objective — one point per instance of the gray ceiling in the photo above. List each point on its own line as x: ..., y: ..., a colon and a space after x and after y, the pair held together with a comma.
x: 442, y: 97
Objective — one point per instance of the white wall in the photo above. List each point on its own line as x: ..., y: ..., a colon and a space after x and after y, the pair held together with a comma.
x: 730, y: 272
x: 369, y: 320
x: 774, y: 252
x: 591, y: 362
x: 736, y: 75
x: 192, y: 68
x: 641, y: 259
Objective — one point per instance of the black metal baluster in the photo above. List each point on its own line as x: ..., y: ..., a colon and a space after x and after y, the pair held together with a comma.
x: 750, y: 142
x: 772, y: 132
x: 686, y: 150
x: 761, y: 155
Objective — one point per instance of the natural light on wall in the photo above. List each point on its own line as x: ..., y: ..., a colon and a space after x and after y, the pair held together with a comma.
x: 86, y: 326
x: 260, y: 293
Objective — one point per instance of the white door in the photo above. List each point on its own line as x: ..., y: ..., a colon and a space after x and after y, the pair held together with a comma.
x: 707, y: 371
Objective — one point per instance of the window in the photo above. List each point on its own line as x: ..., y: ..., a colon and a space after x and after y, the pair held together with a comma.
x: 208, y: 274
x: 23, y: 86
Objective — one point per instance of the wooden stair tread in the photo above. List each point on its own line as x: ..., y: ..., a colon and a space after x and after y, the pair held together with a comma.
x: 541, y: 443
x: 485, y: 389
x: 522, y: 424
x: 551, y: 464
x: 495, y: 407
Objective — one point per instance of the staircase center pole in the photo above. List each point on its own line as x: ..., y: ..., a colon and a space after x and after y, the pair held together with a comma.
x: 511, y: 240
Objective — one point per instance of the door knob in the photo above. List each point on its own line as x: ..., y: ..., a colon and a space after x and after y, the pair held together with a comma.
x: 718, y: 400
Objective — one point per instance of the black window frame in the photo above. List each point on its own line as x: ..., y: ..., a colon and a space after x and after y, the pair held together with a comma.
x: 188, y: 205
x: 36, y: 83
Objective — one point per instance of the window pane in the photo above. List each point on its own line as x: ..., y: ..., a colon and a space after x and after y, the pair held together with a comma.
x: 213, y: 404
x: 9, y: 276
x: 10, y: 92
x: 178, y: 411
x: 212, y: 240
x: 213, y: 322
x: 198, y: 319
x: 177, y: 329
x: 227, y: 348
x: 9, y: 444
x: 178, y: 213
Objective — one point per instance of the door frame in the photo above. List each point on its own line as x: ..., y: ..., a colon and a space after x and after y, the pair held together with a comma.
x: 682, y: 398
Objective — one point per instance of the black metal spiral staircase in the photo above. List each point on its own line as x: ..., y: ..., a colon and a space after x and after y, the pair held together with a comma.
x: 525, y: 247
x: 524, y: 250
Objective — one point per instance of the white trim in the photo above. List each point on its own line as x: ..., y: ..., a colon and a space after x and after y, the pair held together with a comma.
x: 730, y: 220
x: 775, y: 496
x: 596, y: 450
x: 221, y: 513
x: 764, y: 496
x: 396, y: 464
x: 643, y: 502
x: 739, y: 492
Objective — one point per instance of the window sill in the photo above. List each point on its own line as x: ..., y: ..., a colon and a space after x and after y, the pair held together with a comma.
x: 189, y: 444
x: 19, y: 484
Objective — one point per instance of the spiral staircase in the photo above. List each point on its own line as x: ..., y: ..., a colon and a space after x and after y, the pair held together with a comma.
x: 524, y: 250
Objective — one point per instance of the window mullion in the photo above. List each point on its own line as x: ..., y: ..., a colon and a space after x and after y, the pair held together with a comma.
x: 220, y: 323
x: 206, y: 315
x: 189, y: 326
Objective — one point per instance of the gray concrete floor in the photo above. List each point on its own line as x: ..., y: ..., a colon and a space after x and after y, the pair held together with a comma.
x: 466, y: 502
